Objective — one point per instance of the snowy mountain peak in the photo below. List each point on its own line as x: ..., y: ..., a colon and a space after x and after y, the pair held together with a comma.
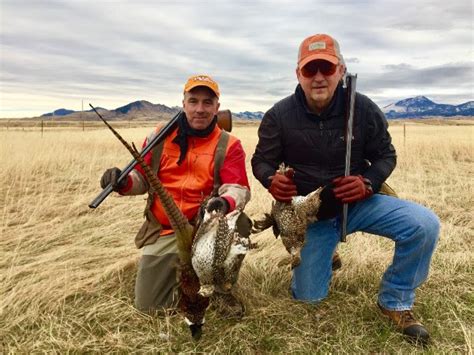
x: 420, y: 106
x: 420, y: 101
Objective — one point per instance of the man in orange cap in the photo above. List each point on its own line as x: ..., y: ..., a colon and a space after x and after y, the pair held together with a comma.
x: 306, y: 131
x: 186, y: 164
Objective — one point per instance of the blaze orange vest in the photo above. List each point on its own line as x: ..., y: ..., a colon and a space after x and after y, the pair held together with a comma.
x: 191, y: 182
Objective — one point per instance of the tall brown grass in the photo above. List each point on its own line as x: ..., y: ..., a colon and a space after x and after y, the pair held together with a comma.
x: 67, y: 272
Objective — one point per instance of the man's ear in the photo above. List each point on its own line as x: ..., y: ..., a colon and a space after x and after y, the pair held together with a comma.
x: 341, y: 70
x: 298, y: 73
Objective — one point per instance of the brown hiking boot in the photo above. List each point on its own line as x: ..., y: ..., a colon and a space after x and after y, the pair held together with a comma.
x: 227, y: 305
x: 405, y: 321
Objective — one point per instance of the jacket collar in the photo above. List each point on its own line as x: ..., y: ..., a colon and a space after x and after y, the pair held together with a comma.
x: 336, y: 106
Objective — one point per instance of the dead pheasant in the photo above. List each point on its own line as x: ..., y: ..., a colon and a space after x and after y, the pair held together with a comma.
x: 290, y: 220
x: 218, y: 251
x: 191, y: 303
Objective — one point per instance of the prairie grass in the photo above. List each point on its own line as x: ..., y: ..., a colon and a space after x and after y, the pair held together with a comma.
x: 67, y: 272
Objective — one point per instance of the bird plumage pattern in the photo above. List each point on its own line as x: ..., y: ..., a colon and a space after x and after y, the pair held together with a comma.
x: 290, y: 220
x: 218, y: 251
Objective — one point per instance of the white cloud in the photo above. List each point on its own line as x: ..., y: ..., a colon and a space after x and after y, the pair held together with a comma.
x: 56, y: 53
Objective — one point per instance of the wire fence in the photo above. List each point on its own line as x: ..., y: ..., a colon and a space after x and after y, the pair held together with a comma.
x: 47, y: 125
x: 44, y: 126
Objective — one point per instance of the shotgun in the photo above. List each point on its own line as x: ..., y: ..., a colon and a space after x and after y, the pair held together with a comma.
x: 224, y: 121
x: 123, y: 175
x: 351, y: 92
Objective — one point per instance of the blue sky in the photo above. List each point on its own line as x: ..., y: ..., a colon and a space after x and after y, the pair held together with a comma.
x: 57, y: 54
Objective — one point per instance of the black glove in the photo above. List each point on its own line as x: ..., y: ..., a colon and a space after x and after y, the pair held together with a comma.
x: 330, y: 206
x: 218, y: 204
x: 110, y: 177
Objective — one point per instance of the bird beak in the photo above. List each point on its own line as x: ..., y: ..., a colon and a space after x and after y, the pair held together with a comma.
x: 196, y: 331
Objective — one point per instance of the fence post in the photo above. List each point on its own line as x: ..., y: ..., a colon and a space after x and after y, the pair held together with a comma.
x: 404, y: 134
x: 42, y: 124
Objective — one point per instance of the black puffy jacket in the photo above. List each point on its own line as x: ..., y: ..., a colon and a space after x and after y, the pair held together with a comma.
x: 314, y: 146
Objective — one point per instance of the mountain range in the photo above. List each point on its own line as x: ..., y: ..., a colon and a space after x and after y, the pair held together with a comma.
x: 416, y: 107
x: 421, y: 106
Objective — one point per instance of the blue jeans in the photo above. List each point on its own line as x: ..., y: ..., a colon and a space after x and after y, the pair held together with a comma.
x: 413, y: 228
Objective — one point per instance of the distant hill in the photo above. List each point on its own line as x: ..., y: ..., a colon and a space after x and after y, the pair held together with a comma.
x: 247, y: 115
x: 421, y: 106
x: 137, y: 110
x: 144, y: 108
x: 62, y: 112
x: 416, y: 107
x: 58, y: 112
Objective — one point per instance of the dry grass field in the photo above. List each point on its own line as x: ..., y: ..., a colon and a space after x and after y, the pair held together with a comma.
x: 67, y: 272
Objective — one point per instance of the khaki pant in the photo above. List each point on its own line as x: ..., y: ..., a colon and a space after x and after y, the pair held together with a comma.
x: 156, y: 286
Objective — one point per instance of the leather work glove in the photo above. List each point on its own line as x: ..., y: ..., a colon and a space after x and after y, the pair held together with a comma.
x: 283, y: 187
x: 352, y: 188
x: 110, y: 177
x: 218, y: 204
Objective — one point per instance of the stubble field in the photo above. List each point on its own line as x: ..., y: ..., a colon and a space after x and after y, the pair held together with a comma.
x: 67, y: 272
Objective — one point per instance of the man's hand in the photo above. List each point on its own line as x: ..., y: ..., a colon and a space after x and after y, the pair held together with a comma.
x: 110, y: 177
x: 352, y: 188
x: 283, y: 187
x: 217, y: 204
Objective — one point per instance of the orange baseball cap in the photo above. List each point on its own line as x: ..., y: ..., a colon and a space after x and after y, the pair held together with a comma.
x: 319, y: 46
x: 201, y: 80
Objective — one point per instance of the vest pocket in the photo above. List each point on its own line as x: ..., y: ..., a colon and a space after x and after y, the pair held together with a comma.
x: 149, y: 231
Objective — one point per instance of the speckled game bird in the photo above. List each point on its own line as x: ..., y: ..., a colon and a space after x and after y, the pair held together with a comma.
x: 218, y: 251
x: 290, y: 220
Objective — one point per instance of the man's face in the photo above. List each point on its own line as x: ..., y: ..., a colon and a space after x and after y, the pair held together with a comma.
x: 200, y: 106
x: 319, y: 79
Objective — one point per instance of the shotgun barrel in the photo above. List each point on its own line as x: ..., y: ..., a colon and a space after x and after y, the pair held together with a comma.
x: 123, y: 175
x: 224, y: 121
x: 351, y: 85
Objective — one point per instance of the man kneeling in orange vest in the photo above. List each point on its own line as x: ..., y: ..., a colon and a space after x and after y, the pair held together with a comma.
x: 190, y: 167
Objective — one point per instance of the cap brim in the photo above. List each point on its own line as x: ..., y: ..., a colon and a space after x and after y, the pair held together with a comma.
x: 204, y: 85
x: 320, y: 56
